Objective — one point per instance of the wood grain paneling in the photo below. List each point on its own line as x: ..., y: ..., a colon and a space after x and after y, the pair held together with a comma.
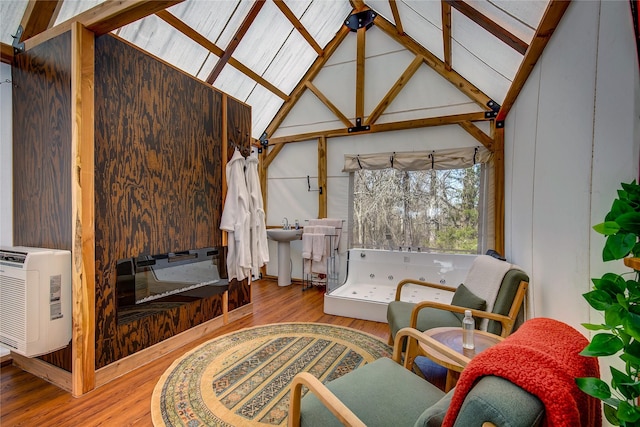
x: 42, y: 145
x: 158, y: 183
x: 42, y: 212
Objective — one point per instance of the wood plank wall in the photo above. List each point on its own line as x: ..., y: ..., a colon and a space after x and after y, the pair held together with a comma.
x: 42, y: 214
x: 157, y: 184
x: 158, y: 175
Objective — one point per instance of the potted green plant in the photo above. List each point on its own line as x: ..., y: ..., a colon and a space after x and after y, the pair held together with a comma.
x: 618, y: 297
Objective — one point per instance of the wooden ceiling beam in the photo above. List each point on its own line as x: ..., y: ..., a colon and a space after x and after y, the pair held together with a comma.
x: 548, y: 24
x: 235, y: 41
x: 6, y: 53
x: 501, y: 33
x: 478, y: 134
x: 396, y: 16
x: 395, y: 90
x: 105, y: 17
x: 384, y: 127
x: 335, y: 110
x: 217, y: 51
x: 434, y: 62
x: 309, y: 76
x: 360, y: 67
x: 298, y: 26
x: 446, y: 34
x: 38, y: 17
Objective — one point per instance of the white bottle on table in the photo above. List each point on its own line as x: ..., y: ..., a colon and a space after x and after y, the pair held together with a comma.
x: 468, y: 326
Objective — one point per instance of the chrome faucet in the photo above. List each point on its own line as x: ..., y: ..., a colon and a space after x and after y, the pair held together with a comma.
x: 285, y: 224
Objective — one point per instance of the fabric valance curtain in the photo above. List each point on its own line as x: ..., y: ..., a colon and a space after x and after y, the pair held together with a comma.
x: 452, y: 158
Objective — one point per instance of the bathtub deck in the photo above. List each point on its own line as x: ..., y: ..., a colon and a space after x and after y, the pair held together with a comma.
x: 362, y: 298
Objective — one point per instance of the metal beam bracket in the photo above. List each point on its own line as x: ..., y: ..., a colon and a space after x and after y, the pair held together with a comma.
x: 361, y: 19
x: 358, y: 127
x: 493, y: 105
x: 18, y: 46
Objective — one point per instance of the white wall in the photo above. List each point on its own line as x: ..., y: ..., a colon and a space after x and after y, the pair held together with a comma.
x: 6, y: 186
x: 570, y: 140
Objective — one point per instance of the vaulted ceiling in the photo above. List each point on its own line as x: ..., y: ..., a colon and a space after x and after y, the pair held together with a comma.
x: 266, y: 52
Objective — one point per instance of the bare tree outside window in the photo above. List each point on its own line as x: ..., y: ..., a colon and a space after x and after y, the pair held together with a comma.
x: 430, y: 210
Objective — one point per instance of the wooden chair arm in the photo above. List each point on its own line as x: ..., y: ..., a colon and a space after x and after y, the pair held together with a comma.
x: 328, y: 399
x: 421, y: 283
x: 414, y: 336
x: 507, y: 322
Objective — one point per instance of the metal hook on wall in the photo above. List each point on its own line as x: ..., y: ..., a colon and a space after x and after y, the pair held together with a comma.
x: 309, y: 185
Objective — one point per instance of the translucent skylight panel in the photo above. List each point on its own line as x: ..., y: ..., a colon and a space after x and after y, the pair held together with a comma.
x: 70, y: 9
x: 291, y: 63
x: 485, y: 78
x: 520, y: 18
x: 298, y: 7
x: 208, y: 18
x: 382, y: 8
x: 264, y: 39
x: 11, y: 13
x: 207, y: 67
x: 324, y: 18
x: 484, y: 45
x: 234, y: 83
x: 162, y: 40
x: 235, y: 21
x: 264, y: 106
x: 422, y: 20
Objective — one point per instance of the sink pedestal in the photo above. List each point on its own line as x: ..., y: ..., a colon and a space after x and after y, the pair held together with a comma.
x: 284, y: 238
x: 284, y: 263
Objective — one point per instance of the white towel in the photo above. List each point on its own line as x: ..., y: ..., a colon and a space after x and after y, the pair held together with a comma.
x: 307, y: 245
x: 318, y: 246
x: 330, y: 222
x: 484, y: 279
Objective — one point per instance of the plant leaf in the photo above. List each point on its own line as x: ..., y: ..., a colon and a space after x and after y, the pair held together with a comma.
x: 615, y: 316
x: 618, y: 246
x: 628, y: 413
x: 632, y: 325
x: 598, y: 299
x: 603, y: 345
x: 594, y: 327
x: 611, y: 283
x: 611, y: 414
x: 607, y: 228
x: 594, y: 387
x: 624, y: 383
x: 629, y: 222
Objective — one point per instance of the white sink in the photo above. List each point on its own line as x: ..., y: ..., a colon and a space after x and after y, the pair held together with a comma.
x: 284, y: 238
x: 281, y: 235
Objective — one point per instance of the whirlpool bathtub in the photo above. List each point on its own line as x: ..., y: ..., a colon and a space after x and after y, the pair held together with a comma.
x: 373, y: 275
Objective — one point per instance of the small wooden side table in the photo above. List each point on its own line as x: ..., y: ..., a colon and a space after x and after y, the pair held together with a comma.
x: 452, y: 338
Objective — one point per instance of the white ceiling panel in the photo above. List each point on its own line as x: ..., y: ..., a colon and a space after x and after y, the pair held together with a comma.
x: 10, y: 17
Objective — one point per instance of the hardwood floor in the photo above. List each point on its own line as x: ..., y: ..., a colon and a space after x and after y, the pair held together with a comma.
x: 26, y: 400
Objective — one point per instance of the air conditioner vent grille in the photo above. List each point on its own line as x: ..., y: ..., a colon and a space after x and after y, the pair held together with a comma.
x: 13, y: 300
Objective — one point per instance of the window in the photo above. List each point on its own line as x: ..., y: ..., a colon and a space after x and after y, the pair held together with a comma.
x: 426, y: 210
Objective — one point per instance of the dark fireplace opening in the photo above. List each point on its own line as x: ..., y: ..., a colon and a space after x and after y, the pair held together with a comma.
x: 148, y: 284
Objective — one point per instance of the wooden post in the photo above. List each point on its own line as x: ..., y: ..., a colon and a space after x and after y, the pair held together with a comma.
x: 322, y: 176
x: 498, y: 156
x: 83, y: 251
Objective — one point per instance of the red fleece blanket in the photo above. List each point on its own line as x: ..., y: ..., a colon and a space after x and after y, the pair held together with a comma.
x: 542, y: 358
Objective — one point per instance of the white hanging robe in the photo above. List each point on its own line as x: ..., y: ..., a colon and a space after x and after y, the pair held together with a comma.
x: 259, y: 244
x: 236, y: 219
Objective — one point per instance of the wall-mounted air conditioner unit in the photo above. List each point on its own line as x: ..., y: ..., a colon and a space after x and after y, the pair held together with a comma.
x: 35, y: 299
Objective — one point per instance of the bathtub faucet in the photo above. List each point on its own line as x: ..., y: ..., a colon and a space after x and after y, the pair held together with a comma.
x: 285, y: 224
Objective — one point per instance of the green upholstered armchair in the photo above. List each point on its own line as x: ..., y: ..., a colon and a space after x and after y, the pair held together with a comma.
x: 494, y: 290
x: 528, y: 379
x: 387, y: 393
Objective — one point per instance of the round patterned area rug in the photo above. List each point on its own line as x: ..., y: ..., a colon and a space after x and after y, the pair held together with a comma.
x: 243, y: 378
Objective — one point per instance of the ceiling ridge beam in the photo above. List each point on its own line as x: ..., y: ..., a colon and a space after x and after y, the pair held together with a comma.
x: 198, y: 38
x: 384, y: 127
x: 395, y: 89
x: 298, y: 26
x: 492, y: 27
x: 328, y: 103
x: 235, y: 40
x: 309, y: 76
x: 434, y: 62
x: 105, y: 17
x: 552, y: 16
